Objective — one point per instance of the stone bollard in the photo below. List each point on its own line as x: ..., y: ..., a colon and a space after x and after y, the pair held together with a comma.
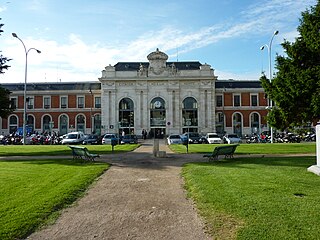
x: 161, y: 154
x: 155, y: 147
x: 316, y: 168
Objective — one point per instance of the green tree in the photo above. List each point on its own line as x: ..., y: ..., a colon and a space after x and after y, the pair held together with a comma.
x: 5, y: 103
x: 295, y: 89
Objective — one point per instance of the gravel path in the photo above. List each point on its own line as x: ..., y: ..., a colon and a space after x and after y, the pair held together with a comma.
x: 139, y: 197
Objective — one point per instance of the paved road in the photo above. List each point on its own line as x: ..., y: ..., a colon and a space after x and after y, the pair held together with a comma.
x: 139, y: 197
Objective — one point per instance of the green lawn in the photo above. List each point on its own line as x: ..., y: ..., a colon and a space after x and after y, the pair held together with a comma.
x: 257, y: 198
x: 258, y: 148
x: 55, y: 150
x: 32, y: 192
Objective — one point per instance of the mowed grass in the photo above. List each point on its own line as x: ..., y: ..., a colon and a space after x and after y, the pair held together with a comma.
x: 56, y: 150
x: 257, y: 198
x: 33, y: 191
x: 258, y: 148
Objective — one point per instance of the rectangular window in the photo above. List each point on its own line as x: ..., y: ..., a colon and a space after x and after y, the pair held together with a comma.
x: 63, y: 102
x: 254, y: 100
x: 80, y: 102
x: 97, y: 102
x: 30, y: 102
x: 46, y: 102
x: 13, y: 102
x: 219, y: 101
x: 236, y: 100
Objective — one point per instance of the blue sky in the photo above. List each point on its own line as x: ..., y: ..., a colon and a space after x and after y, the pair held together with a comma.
x: 79, y: 38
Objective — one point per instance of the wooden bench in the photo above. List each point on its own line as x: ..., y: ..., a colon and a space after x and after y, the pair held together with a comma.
x: 227, y: 151
x: 82, y: 153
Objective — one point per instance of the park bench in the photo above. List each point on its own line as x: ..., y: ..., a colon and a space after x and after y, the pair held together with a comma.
x: 82, y: 153
x: 227, y: 151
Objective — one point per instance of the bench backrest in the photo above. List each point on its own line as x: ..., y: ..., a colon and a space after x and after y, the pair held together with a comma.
x: 77, y: 150
x: 225, y: 149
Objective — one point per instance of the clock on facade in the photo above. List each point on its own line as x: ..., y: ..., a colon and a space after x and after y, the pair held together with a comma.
x: 157, y: 104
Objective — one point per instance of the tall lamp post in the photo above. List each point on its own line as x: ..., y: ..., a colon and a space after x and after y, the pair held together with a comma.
x: 91, y: 116
x: 25, y: 85
x: 270, y: 71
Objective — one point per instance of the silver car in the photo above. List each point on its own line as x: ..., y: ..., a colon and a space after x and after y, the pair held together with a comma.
x: 174, y: 139
x: 108, y: 137
x: 73, y: 138
x: 231, y: 138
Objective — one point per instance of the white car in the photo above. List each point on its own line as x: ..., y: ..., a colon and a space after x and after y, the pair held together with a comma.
x: 108, y: 137
x: 213, y: 138
x: 231, y: 138
x: 73, y: 138
x: 174, y: 139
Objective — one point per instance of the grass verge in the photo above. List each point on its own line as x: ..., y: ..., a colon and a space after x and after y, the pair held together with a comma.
x: 56, y: 150
x: 258, y: 148
x: 32, y: 192
x: 257, y: 198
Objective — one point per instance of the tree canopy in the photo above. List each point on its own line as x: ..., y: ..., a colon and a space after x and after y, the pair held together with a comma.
x: 5, y: 104
x: 295, y: 89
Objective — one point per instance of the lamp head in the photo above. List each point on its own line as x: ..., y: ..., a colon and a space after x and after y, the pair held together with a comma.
x: 15, y: 35
x: 276, y: 32
x: 261, y: 48
x: 38, y: 51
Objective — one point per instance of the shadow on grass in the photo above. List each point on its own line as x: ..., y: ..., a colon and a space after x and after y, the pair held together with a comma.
x: 305, y: 161
x: 68, y: 162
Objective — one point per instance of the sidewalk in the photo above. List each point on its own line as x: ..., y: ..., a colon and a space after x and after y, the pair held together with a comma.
x: 139, y: 197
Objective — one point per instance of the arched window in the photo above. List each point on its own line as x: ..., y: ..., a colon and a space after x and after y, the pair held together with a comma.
x: 30, y: 123
x: 97, y: 124
x: 126, y: 115
x: 63, y: 124
x: 220, y: 123
x: 255, y: 123
x: 13, y: 124
x: 237, y: 124
x: 46, y: 123
x: 190, y: 115
x: 81, y: 123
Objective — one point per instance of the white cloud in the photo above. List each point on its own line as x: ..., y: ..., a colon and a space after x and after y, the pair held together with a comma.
x: 76, y: 60
x: 2, y: 9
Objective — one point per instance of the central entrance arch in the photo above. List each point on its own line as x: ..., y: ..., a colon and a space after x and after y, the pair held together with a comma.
x: 189, y: 115
x: 157, y: 118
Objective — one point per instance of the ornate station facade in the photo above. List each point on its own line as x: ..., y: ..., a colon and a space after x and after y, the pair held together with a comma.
x: 158, y: 96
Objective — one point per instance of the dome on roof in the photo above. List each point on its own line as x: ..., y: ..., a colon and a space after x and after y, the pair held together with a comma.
x: 157, y: 55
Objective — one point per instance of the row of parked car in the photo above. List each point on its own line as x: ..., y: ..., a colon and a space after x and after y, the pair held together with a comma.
x: 196, y: 138
x: 108, y: 138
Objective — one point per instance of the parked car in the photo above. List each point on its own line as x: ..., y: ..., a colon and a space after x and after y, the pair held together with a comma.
x: 174, y: 139
x: 231, y: 138
x: 92, y: 139
x: 108, y: 137
x: 73, y: 138
x: 193, y: 137
x: 129, y: 138
x: 203, y: 140
x: 213, y: 138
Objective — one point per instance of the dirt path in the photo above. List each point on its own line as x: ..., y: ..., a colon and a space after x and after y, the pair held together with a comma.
x: 139, y: 197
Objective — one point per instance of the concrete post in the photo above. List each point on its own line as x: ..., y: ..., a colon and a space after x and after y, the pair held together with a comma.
x: 316, y: 168
x: 155, y: 147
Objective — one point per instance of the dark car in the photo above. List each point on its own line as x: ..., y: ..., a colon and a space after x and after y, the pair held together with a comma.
x: 129, y: 138
x: 92, y: 139
x: 193, y: 137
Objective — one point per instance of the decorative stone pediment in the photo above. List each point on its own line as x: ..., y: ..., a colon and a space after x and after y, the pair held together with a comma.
x: 157, y: 62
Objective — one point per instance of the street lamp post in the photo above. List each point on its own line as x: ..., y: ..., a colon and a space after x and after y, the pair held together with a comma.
x: 25, y: 85
x: 91, y: 116
x: 270, y: 71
